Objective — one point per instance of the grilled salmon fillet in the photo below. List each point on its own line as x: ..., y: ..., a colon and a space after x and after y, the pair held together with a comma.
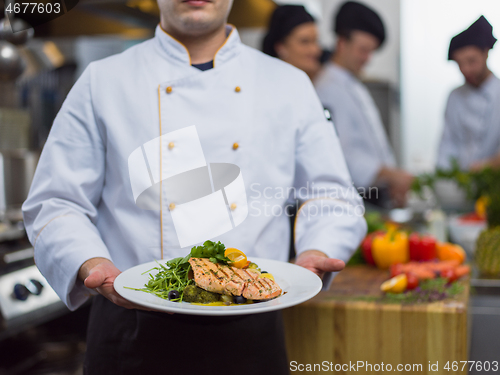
x: 234, y: 281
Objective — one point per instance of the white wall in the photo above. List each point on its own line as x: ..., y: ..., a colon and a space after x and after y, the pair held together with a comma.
x: 427, y: 27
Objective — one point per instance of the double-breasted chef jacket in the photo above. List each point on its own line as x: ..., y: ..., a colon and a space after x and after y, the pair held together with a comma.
x: 358, y: 123
x: 250, y: 110
x: 472, y: 124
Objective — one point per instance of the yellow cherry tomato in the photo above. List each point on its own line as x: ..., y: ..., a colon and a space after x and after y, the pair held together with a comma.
x: 481, y: 206
x: 237, y: 257
x: 267, y: 275
x: 397, y: 284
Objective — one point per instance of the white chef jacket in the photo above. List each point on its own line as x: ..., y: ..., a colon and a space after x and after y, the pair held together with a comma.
x: 81, y: 203
x: 472, y: 124
x: 358, y: 123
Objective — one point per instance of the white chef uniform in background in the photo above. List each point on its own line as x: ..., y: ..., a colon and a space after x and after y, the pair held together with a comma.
x: 249, y: 110
x: 472, y: 124
x: 358, y: 123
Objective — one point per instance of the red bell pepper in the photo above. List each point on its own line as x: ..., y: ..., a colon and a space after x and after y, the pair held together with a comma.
x: 422, y: 247
x: 366, y: 246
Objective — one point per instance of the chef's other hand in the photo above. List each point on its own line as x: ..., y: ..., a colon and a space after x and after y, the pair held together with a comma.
x: 99, y: 274
x: 478, y: 165
x: 399, y: 182
x: 493, y: 162
x: 318, y: 262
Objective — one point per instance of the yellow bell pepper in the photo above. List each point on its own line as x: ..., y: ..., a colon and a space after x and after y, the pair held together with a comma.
x: 390, y: 249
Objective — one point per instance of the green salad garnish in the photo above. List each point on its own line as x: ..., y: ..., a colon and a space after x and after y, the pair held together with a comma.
x: 211, y: 250
x: 174, y: 276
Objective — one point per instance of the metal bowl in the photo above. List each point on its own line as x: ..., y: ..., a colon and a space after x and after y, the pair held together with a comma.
x: 19, y: 37
x: 12, y: 64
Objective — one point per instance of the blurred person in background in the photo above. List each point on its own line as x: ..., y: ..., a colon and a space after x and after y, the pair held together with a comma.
x: 471, y: 133
x: 293, y: 37
x: 360, y: 32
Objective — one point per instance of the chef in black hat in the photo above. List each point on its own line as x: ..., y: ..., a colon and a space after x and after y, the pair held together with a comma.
x: 360, y: 32
x: 293, y: 37
x: 472, y: 120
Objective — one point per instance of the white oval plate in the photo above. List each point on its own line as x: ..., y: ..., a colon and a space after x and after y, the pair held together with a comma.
x: 299, y: 284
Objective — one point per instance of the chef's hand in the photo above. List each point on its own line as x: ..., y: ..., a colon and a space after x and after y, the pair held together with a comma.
x: 478, y: 165
x: 99, y: 274
x: 318, y: 262
x: 399, y: 182
x: 493, y: 162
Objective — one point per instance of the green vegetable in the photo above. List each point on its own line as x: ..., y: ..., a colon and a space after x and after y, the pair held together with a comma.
x: 462, y: 178
x: 429, y: 291
x: 192, y: 293
x: 486, y: 183
x: 211, y: 250
x: 474, y: 183
x: 226, y: 299
x: 374, y: 221
x: 254, y: 266
x: 175, y: 274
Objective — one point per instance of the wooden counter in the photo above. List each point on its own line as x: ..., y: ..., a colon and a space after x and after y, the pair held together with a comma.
x: 337, y: 326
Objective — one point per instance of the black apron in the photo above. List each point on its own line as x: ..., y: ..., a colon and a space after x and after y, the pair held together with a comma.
x: 122, y: 341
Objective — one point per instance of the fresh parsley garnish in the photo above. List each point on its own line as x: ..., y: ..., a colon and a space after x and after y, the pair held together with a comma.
x: 211, y: 250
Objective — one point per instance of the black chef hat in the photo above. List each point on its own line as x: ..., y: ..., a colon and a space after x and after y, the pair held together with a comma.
x: 479, y: 34
x: 284, y: 19
x: 356, y: 16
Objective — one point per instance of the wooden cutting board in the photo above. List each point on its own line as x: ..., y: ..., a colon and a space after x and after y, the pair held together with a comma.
x: 338, y: 327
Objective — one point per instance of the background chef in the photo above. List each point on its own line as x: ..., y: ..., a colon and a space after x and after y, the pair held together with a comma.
x: 369, y: 156
x: 471, y: 133
x: 293, y: 37
x: 250, y: 110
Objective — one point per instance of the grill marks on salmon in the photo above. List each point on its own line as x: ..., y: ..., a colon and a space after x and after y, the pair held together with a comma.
x: 216, y: 278
x: 234, y: 281
x: 262, y: 288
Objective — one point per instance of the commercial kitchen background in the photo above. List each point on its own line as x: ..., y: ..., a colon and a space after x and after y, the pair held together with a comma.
x: 412, y: 66
x: 410, y: 77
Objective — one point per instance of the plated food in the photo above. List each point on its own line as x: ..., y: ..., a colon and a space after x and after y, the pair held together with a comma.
x: 211, y: 274
x: 298, y: 285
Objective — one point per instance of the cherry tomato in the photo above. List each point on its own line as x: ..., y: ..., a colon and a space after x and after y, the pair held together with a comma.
x: 422, y: 247
x: 449, y: 274
x: 412, y: 281
x: 396, y: 269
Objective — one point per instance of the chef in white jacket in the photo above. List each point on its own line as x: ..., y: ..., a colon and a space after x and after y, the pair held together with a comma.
x: 471, y: 134
x: 360, y: 32
x: 189, y: 100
